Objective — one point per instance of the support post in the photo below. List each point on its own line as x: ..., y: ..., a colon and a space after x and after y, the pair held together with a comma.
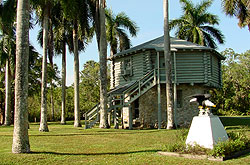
x: 109, y: 118
x: 85, y: 117
x: 116, y: 122
x: 175, y: 92
x: 159, y: 90
x: 130, y: 117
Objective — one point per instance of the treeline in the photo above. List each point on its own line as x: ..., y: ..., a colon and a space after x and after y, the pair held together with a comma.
x: 89, y: 96
x: 34, y: 87
x: 234, y: 97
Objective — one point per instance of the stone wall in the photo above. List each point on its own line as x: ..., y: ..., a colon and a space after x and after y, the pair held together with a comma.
x: 148, y: 106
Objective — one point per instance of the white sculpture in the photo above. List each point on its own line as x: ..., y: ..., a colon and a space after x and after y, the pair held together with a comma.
x: 206, y: 129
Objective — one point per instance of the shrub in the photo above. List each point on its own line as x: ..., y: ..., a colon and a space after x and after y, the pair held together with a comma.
x: 237, y: 141
x: 179, y: 144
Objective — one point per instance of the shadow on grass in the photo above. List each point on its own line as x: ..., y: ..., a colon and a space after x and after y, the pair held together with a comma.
x: 95, y: 154
x: 99, y: 133
x: 96, y: 133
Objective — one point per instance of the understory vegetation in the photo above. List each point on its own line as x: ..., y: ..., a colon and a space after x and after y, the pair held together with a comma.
x: 238, y: 141
x: 89, y: 94
x: 233, y: 99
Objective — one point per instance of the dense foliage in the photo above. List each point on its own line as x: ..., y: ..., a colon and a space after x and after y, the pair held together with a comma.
x: 89, y: 95
x: 234, y: 97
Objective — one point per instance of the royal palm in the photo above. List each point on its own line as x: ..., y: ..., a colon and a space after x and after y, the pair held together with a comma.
x: 7, y: 39
x: 197, y: 25
x: 76, y: 11
x: 239, y: 9
x: 116, y: 26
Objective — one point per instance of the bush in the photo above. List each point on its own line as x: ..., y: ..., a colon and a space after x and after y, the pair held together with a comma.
x: 237, y: 142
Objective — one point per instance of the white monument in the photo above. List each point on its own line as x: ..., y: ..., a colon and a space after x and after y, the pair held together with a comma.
x: 206, y: 129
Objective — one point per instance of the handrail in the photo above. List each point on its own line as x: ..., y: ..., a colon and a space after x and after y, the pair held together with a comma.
x: 136, y: 86
x: 140, y: 83
x: 92, y: 108
x: 136, y: 82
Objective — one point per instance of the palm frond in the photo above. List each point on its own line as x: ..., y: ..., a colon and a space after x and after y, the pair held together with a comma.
x: 124, y: 21
x: 208, y: 18
x: 239, y: 9
x: 124, y: 40
x: 175, y: 23
x: 187, y: 6
x: 215, y: 33
x: 209, y: 41
x: 203, y: 6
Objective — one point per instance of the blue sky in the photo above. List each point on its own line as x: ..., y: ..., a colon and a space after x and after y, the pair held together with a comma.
x: 148, y: 14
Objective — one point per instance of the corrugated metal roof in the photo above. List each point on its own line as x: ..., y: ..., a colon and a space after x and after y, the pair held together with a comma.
x: 158, y: 45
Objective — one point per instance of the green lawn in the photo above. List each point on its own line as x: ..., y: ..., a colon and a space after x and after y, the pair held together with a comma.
x: 65, y: 144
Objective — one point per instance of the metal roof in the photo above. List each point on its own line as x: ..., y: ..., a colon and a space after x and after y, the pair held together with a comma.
x: 158, y: 45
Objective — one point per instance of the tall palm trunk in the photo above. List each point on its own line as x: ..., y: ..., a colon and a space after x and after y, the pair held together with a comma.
x: 51, y: 55
x: 7, y: 121
x: 20, y: 134
x: 63, y: 121
x: 168, y: 67
x: 103, y: 67
x: 77, y: 122
x: 43, y: 119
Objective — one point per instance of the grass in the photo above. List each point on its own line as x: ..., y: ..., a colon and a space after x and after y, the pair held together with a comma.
x: 65, y: 144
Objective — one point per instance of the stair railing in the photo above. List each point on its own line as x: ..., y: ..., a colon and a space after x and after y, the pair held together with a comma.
x: 134, y: 89
x: 140, y: 84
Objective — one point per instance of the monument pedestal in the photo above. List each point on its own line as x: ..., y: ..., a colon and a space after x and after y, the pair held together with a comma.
x: 206, y: 131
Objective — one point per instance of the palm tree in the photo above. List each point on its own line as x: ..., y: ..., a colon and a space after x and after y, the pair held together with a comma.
x: 196, y: 24
x: 8, y: 50
x: 7, y: 16
x: 57, y: 42
x: 98, y: 15
x: 116, y: 35
x: 103, y: 66
x: 20, y: 135
x: 43, y: 9
x: 239, y: 9
x: 61, y: 39
x: 167, y: 56
x: 76, y: 11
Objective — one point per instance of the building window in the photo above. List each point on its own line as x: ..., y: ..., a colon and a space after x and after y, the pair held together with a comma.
x: 179, y: 99
x: 127, y: 67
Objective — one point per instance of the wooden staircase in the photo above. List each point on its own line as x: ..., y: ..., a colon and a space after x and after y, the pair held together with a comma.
x: 125, y: 97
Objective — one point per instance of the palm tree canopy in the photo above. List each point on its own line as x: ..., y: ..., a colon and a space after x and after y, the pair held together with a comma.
x: 197, y: 25
x: 239, y: 9
x: 116, y: 30
x: 7, y: 17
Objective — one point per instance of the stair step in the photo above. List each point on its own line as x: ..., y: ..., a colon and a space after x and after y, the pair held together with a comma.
x: 145, y: 83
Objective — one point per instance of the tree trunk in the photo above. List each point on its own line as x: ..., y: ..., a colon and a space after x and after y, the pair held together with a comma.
x: 51, y: 55
x: 168, y: 67
x: 7, y: 120
x: 20, y: 134
x: 77, y: 122
x: 52, y: 102
x: 43, y: 119
x: 103, y: 67
x: 63, y: 121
